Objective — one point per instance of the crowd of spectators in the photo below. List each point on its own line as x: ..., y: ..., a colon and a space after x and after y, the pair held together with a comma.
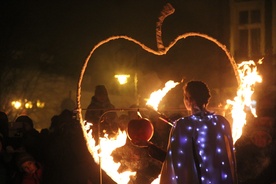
x: 59, y: 154
x: 54, y: 155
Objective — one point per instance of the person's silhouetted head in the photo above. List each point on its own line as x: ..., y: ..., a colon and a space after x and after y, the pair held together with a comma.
x: 101, y: 93
x: 27, y: 122
x: 196, y: 93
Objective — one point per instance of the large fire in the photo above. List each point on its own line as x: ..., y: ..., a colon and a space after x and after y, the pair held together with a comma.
x: 249, y: 76
x: 102, y: 154
x: 102, y: 151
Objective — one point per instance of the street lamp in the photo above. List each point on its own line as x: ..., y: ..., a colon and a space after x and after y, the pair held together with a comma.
x: 122, y: 78
x: 16, y: 104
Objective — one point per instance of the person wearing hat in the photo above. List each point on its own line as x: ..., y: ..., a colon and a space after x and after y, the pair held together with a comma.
x: 30, y: 170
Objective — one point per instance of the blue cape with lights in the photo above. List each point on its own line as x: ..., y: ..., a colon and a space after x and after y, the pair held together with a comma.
x: 200, y: 150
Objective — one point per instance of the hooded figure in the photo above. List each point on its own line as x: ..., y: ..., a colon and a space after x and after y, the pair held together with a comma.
x: 100, y: 103
x: 200, y: 147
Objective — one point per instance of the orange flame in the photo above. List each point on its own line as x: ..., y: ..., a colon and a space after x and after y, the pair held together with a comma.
x: 102, y: 155
x: 249, y: 77
x: 157, y: 96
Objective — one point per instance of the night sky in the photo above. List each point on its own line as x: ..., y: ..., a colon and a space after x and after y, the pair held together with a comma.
x: 65, y: 32
x: 55, y: 37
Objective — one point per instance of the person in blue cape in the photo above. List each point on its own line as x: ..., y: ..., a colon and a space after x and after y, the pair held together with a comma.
x: 200, y: 148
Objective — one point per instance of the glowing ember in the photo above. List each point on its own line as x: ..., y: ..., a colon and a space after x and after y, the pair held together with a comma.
x: 248, y: 78
x: 102, y: 155
x: 157, y: 96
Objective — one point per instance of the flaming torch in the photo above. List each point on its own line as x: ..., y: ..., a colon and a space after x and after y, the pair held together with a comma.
x: 157, y: 96
x: 249, y: 76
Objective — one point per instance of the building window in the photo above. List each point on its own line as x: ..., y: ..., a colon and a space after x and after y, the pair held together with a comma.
x: 249, y: 30
x: 243, y: 42
x: 243, y: 17
x: 255, y: 42
x: 255, y: 16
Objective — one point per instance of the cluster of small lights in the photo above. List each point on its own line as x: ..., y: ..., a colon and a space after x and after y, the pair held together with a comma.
x: 206, y: 134
x: 27, y: 104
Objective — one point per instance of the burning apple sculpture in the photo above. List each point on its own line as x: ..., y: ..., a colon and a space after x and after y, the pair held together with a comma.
x: 142, y: 129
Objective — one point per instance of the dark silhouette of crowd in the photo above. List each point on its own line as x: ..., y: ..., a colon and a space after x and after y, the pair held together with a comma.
x: 59, y: 154
x: 55, y: 155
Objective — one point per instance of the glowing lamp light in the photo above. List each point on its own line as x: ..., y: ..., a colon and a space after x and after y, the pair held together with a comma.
x: 28, y: 105
x: 122, y: 79
x: 40, y: 104
x: 16, y: 104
